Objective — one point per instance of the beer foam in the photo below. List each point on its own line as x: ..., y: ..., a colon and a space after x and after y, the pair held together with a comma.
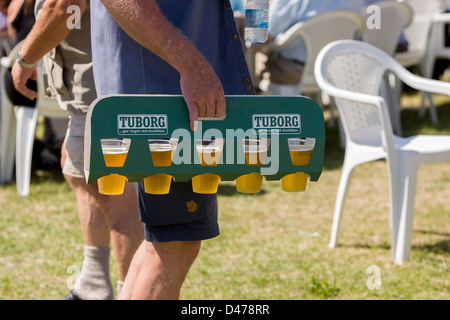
x: 114, y: 149
x: 161, y: 147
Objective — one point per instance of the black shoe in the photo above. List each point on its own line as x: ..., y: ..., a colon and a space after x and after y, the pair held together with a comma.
x: 71, y: 296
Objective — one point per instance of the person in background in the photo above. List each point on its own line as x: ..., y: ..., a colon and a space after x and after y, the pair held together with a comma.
x: 20, y: 20
x: 46, y: 151
x: 4, y: 4
x: 283, y: 14
x: 105, y: 220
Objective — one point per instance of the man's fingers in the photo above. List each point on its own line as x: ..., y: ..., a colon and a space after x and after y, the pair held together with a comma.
x: 193, y: 115
x: 20, y: 78
x: 30, y: 94
x: 202, y: 109
x: 221, y: 107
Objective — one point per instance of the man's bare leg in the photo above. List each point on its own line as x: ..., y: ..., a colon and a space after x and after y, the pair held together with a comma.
x: 158, y: 270
x: 106, y: 220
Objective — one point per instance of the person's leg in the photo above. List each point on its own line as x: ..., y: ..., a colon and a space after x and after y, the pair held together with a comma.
x: 94, y: 224
x: 173, y: 234
x: 133, y: 271
x: 94, y: 281
x: 126, y: 232
x: 104, y: 220
x: 159, y: 270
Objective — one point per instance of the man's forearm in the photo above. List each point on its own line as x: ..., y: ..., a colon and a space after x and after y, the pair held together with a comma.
x: 144, y: 22
x: 50, y: 29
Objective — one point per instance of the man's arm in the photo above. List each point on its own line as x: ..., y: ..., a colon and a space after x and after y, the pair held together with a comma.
x: 200, y: 86
x: 48, y: 31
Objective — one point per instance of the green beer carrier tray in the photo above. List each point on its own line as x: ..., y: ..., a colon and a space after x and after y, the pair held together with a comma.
x: 143, y: 117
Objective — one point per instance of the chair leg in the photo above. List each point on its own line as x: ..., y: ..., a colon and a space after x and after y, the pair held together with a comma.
x: 340, y: 202
x: 7, y: 141
x: 26, y: 128
x: 403, y: 192
x: 394, y: 93
x: 433, y: 112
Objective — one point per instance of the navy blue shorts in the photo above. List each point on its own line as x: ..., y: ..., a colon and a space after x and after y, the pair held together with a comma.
x: 181, y: 215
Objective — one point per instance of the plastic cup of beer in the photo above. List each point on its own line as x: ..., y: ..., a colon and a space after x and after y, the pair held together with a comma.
x: 249, y: 183
x: 162, y: 151
x: 209, y: 151
x: 301, y: 150
x: 115, y: 153
x: 255, y: 150
x: 294, y: 182
x: 158, y: 183
x: 206, y: 183
x: 112, y: 184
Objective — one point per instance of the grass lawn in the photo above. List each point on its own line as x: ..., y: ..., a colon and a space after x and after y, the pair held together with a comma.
x: 273, y: 245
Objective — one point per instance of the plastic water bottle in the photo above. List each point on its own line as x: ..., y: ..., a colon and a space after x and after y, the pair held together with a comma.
x: 256, y: 20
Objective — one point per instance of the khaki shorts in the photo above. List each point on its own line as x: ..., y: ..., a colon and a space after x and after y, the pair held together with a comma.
x: 74, y: 164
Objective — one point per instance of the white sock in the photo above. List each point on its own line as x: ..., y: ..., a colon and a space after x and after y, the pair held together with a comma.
x: 94, y: 282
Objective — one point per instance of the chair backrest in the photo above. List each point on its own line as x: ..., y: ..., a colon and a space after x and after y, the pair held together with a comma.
x: 418, y: 31
x: 321, y: 30
x: 394, y: 18
x: 359, y: 68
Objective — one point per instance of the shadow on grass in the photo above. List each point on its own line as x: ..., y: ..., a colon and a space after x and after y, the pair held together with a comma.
x: 439, y: 247
x: 442, y: 246
x: 382, y: 246
x: 414, y: 124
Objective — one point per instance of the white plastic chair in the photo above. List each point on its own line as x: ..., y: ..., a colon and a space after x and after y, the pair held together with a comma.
x: 428, y: 16
x: 316, y: 33
x: 351, y: 72
x: 18, y: 131
x: 394, y: 18
x: 436, y: 47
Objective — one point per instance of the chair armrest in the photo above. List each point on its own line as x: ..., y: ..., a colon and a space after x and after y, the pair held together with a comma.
x: 349, y: 95
x: 423, y: 84
x: 441, y: 18
x: 283, y: 39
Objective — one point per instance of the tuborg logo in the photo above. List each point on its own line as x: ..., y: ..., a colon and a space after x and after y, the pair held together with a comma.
x: 142, y: 124
x: 277, y: 123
